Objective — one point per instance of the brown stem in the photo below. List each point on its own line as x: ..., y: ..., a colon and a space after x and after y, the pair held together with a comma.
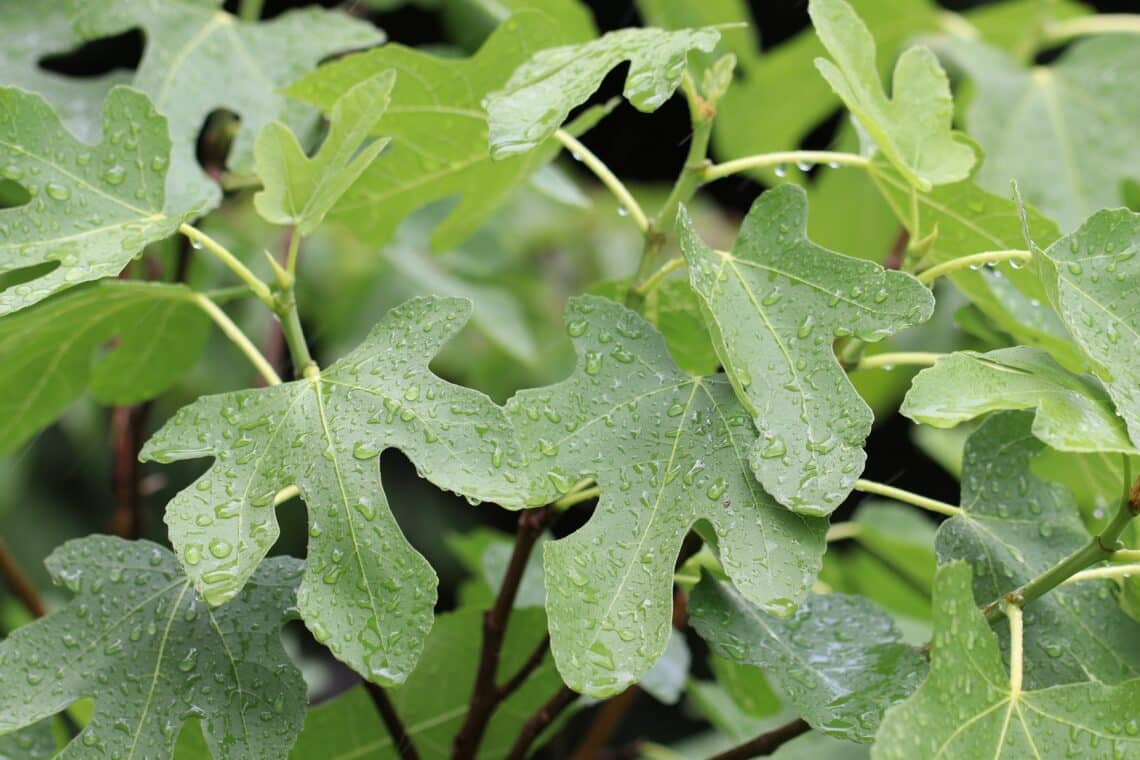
x: 766, y: 744
x: 19, y: 583
x: 607, y: 720
x: 127, y: 424
x: 400, y: 737
x: 897, y: 253
x: 485, y: 694
x: 538, y: 722
x: 519, y: 678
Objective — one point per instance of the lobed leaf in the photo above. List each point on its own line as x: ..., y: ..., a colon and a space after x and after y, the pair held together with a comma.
x: 1074, y: 413
x: 93, y: 207
x: 199, y: 59
x: 438, y: 126
x: 540, y: 94
x: 299, y: 190
x: 138, y: 641
x: 1063, y: 130
x: 366, y: 593
x: 1013, y: 527
x: 667, y: 450
x: 775, y: 305
x: 46, y: 352
x: 839, y: 659
x: 912, y: 128
x: 1092, y: 275
x: 971, y: 706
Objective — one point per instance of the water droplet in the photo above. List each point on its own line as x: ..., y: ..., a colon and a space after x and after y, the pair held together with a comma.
x: 220, y: 548
x: 57, y: 191
x: 115, y: 175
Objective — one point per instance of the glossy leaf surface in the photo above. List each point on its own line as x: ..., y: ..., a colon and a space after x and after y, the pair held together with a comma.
x: 667, y: 449
x: 93, y: 207
x: 775, y: 306
x: 150, y: 653
x: 366, y: 593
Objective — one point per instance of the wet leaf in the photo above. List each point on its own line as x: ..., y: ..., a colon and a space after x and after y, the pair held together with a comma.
x: 1074, y: 413
x: 93, y: 207
x: 1062, y: 130
x: 32, y: 743
x: 775, y: 306
x: 366, y: 594
x: 139, y: 642
x: 1013, y: 527
x: 47, y: 352
x: 839, y: 659
x: 199, y: 59
x: 300, y: 190
x: 1092, y: 275
x: 912, y: 128
x: 540, y: 94
x: 971, y: 706
x: 667, y: 450
x: 438, y: 126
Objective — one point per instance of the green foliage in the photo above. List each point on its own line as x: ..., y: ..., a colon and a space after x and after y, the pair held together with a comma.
x: 667, y: 449
x: 558, y: 500
x: 775, y: 305
x: 92, y: 209
x: 139, y: 642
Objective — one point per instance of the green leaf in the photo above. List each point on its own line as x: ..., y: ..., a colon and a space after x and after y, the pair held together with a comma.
x: 300, y: 190
x: 1073, y: 412
x: 667, y: 450
x: 199, y: 59
x: 901, y: 537
x: 1015, y: 526
x: 30, y: 32
x: 47, y: 352
x: 540, y: 94
x: 350, y: 728
x: 1092, y: 276
x: 775, y: 305
x: 139, y: 642
x: 438, y: 127
x: 913, y: 127
x: 838, y: 659
x: 35, y: 742
x: 960, y: 219
x: 971, y: 706
x: 93, y: 208
x: 366, y: 593
x: 1062, y: 131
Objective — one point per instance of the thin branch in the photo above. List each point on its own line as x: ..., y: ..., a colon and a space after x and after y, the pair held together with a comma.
x: 200, y: 239
x: 607, y: 720
x: 237, y: 337
x: 898, y: 494
x: 973, y: 261
x: 19, y: 583
x: 900, y: 359
x: 127, y: 424
x: 400, y: 738
x: 767, y: 743
x: 607, y: 177
x: 538, y: 722
x: 783, y: 158
x: 485, y: 695
x: 511, y: 685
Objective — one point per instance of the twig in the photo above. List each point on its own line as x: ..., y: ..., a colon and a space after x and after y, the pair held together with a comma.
x: 511, y: 685
x: 898, y: 494
x: 392, y: 721
x: 126, y: 431
x: 485, y: 695
x: 766, y: 744
x: 609, y: 717
x: 607, y: 177
x: 538, y: 722
x: 19, y: 583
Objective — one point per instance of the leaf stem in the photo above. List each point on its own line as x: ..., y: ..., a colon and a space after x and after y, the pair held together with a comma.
x: 764, y: 160
x: 655, y: 279
x: 974, y: 260
x: 1102, y: 546
x: 607, y: 177
x: 237, y: 337
x: 1109, y: 571
x: 1126, y: 555
x: 294, y: 333
x: 200, y: 239
x: 538, y: 722
x: 400, y: 738
x: 898, y: 494
x: 19, y: 583
x: 1104, y: 23
x: 485, y: 694
x: 250, y: 10
x: 576, y: 497
x: 294, y: 248
x: 903, y: 358
x: 1016, y: 651
x: 766, y: 743
x: 842, y: 531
